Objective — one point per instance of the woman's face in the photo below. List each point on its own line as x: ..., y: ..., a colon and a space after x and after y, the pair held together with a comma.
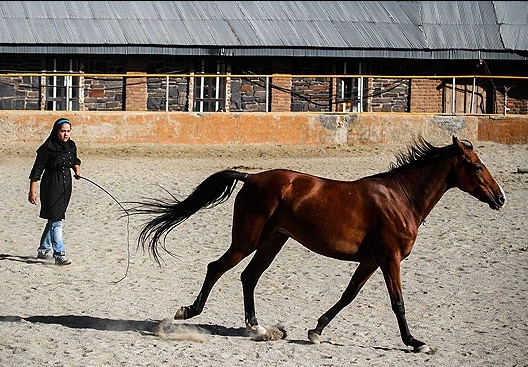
x: 64, y: 132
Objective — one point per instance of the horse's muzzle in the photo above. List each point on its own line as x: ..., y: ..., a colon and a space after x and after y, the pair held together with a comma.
x: 498, y: 203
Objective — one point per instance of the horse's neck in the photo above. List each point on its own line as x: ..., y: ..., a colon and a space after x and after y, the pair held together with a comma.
x: 424, y: 186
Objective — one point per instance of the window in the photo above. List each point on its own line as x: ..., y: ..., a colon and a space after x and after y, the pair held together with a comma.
x: 353, y: 91
x: 62, y: 91
x: 210, y: 91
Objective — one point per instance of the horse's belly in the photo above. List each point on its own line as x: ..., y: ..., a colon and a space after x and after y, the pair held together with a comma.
x: 337, y: 247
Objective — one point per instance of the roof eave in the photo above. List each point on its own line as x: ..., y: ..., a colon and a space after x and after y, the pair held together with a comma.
x: 120, y: 50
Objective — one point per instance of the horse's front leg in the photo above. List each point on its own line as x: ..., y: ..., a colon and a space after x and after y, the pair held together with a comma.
x: 360, y: 277
x: 215, y: 270
x: 392, y: 275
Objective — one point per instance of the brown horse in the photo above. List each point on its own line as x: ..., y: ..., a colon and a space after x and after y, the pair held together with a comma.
x: 373, y: 221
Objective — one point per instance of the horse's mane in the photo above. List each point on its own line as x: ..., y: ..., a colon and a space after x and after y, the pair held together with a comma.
x: 422, y: 152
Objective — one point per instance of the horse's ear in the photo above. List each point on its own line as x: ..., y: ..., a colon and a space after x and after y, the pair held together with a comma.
x: 457, y: 143
x: 462, y: 145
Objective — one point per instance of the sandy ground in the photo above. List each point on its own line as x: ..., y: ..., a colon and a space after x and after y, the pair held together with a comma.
x: 465, y: 284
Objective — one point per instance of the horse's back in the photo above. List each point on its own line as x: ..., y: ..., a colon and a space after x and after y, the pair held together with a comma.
x: 293, y: 186
x: 289, y: 186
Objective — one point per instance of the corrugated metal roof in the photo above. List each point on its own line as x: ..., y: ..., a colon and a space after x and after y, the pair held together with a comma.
x: 515, y: 37
x: 268, y: 28
x: 511, y: 12
x: 458, y: 12
x: 458, y: 36
x: 512, y: 17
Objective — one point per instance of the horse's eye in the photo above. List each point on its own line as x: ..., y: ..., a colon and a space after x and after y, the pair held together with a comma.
x: 477, y: 169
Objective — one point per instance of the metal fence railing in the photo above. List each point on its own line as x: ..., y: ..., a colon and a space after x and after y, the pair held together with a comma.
x: 450, y: 94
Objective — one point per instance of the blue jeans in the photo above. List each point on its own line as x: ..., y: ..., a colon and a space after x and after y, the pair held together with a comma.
x: 52, y: 237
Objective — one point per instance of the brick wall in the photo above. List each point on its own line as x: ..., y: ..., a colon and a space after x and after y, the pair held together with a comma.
x: 281, y: 97
x: 136, y: 92
x: 517, y: 96
x: 425, y: 96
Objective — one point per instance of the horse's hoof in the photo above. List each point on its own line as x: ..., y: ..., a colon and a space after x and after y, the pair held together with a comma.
x: 180, y: 314
x: 422, y: 349
x: 257, y: 329
x: 260, y: 333
x: 314, y: 337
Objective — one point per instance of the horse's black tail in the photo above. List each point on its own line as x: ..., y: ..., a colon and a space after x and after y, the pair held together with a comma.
x: 214, y: 190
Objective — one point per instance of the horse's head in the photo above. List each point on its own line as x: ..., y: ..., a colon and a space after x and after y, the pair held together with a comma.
x: 474, y: 177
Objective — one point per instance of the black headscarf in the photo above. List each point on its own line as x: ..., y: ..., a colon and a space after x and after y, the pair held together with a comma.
x: 52, y: 145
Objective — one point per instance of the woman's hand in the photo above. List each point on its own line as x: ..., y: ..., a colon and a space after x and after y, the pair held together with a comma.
x: 77, y: 172
x: 32, y: 198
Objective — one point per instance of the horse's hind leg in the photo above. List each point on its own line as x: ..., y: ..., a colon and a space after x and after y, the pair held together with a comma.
x: 215, y: 270
x: 360, y: 277
x: 252, y: 273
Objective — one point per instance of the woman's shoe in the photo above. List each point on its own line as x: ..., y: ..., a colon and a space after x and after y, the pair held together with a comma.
x: 44, y: 254
x: 61, y: 259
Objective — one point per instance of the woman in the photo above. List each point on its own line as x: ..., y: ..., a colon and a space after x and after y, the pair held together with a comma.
x: 55, y: 157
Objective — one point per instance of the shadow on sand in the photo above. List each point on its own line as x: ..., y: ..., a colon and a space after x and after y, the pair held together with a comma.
x: 97, y: 323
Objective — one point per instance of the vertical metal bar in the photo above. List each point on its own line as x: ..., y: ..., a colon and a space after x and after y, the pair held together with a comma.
x: 472, y: 96
x: 202, y: 82
x: 67, y: 94
x: 360, y: 90
x: 54, y: 86
x: 453, y: 109
x: 217, y: 93
x: 68, y: 85
x: 267, y: 94
x: 54, y: 92
x: 343, y: 105
x: 167, y: 81
x: 360, y: 95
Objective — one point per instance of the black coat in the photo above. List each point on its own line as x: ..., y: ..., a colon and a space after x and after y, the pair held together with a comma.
x: 56, y: 186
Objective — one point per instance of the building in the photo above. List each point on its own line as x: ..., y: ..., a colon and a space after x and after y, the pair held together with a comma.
x: 290, y: 72
x: 434, y: 57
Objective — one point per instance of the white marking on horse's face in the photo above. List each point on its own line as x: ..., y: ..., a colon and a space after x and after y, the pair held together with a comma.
x: 498, y: 184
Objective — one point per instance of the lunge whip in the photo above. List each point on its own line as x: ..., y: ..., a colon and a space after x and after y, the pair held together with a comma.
x: 128, y: 221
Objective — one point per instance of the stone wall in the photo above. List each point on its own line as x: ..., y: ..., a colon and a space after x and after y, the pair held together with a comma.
x: 20, y: 93
x: 390, y: 95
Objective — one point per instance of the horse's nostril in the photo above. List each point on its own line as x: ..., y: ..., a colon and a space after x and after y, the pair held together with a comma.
x: 501, y: 200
